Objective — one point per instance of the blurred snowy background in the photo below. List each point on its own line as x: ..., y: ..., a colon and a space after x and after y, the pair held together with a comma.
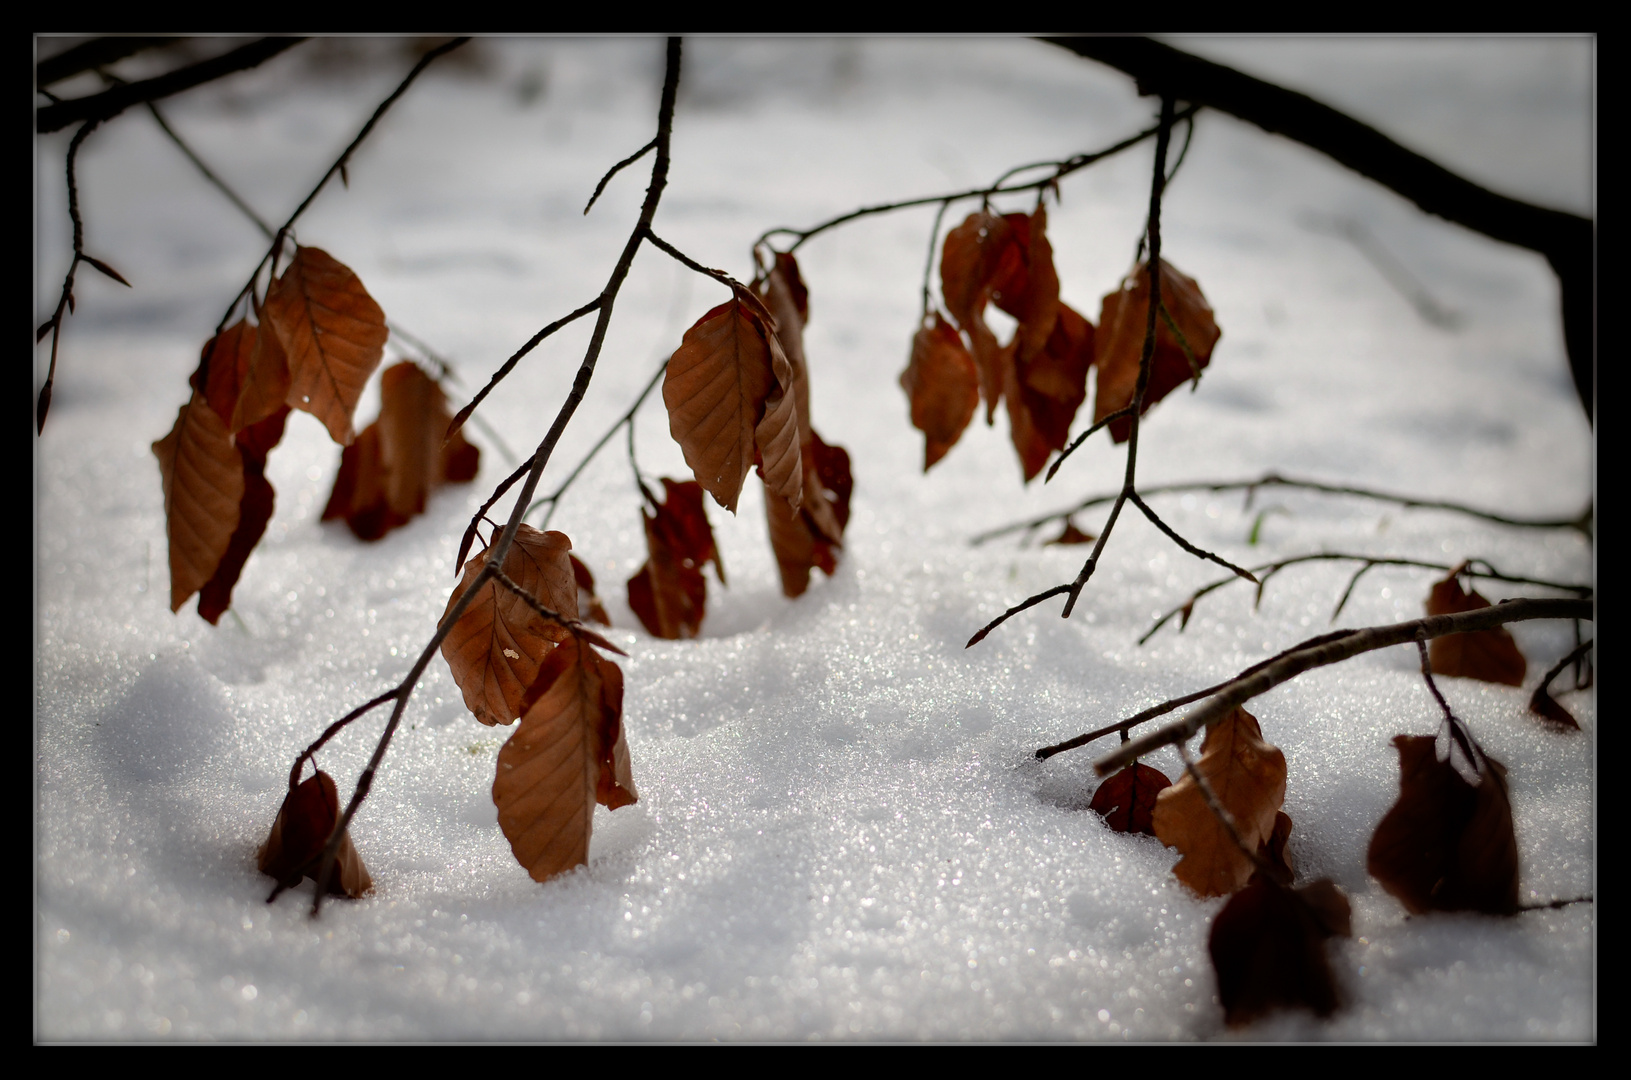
x: 841, y: 833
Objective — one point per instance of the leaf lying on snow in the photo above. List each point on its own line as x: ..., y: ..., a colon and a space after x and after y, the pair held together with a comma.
x: 1447, y: 845
x: 496, y: 646
x: 568, y: 753
x: 1490, y: 655
x: 1127, y: 799
x: 1268, y: 948
x: 304, y: 823
x: 669, y: 593
x: 1248, y: 776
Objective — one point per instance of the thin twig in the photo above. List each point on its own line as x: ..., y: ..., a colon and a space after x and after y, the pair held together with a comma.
x: 554, y: 499
x: 515, y: 358
x: 1125, y: 410
x: 686, y: 260
x: 1581, y: 523
x: 615, y: 169
x: 1199, y: 553
x: 501, y: 546
x: 209, y: 174
x: 334, y: 729
x: 1250, y: 684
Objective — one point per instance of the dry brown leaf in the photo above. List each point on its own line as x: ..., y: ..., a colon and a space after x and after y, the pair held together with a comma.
x: 225, y: 364
x: 1268, y: 948
x: 265, y: 387
x: 1070, y: 534
x: 812, y: 535
x: 588, y: 602
x: 203, y: 474
x: 1248, y: 776
x: 1045, y: 390
x: 1490, y: 655
x: 1126, y: 800
x: 1120, y: 344
x: 304, y: 823
x: 333, y: 336
x: 943, y: 387
x: 1446, y: 845
x: 717, y: 387
x: 669, y: 593
x: 254, y: 513
x: 388, y: 472
x: 1025, y: 284
x: 969, y: 260
x: 567, y: 753
x: 788, y: 301
x: 496, y: 646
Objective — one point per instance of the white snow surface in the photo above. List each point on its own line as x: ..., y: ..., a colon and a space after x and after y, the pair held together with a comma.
x: 842, y: 833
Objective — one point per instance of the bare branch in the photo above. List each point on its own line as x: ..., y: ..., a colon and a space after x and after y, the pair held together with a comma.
x: 92, y: 54
x: 515, y: 358
x: 1185, y: 544
x: 112, y: 102
x: 615, y: 169
x: 1246, y: 686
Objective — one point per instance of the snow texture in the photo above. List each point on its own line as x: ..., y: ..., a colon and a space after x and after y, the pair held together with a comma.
x: 842, y: 833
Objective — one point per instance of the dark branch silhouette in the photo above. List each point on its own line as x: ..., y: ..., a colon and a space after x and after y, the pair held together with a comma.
x: 90, y: 55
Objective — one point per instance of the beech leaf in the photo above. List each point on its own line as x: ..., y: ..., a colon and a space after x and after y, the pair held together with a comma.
x: 265, y: 386
x: 568, y: 753
x: 1045, y: 390
x: 333, y: 336
x: 1070, y: 534
x: 1268, y: 948
x: 1120, y: 344
x: 308, y: 817
x: 1248, y: 776
x: 203, y: 475
x: 717, y: 387
x: 1446, y: 845
x: 1126, y: 800
x: 942, y: 386
x: 254, y: 513
x: 496, y: 646
x: 225, y: 361
x: 588, y: 602
x: 969, y: 260
x: 812, y: 535
x: 669, y: 593
x: 1490, y: 655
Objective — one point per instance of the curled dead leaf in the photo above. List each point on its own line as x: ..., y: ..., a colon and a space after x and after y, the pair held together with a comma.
x: 669, y: 593
x: 496, y: 646
x: 1047, y: 388
x: 1248, y: 776
x: 568, y: 753
x: 1446, y: 845
x: 812, y: 535
x: 308, y: 817
x: 1489, y: 655
x: 588, y: 602
x: 942, y: 386
x: 1120, y: 345
x: 254, y: 513
x: 1126, y: 800
x: 333, y: 337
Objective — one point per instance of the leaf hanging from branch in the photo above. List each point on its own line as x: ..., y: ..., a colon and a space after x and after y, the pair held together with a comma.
x: 265, y: 384
x: 1489, y: 655
x: 333, y: 336
x: 308, y: 817
x: 812, y: 535
x: 588, y: 602
x: 568, y: 753
x: 1122, y: 326
x: 1248, y: 776
x: 942, y: 386
x: 1447, y: 845
x: 1045, y: 390
x: 254, y: 513
x: 669, y: 593
x: 496, y: 646
x: 203, y: 474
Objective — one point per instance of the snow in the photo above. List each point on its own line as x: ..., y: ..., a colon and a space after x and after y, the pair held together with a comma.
x: 841, y: 832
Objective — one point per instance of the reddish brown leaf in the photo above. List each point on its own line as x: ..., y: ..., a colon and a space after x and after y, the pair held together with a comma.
x: 726, y: 389
x: 588, y: 602
x: 943, y: 387
x: 388, y: 472
x: 812, y: 535
x: 669, y: 593
x: 969, y: 260
x: 567, y: 753
x: 1070, y: 534
x: 1127, y: 799
x: 787, y: 300
x: 1045, y: 391
x: 1120, y: 344
x: 254, y: 514
x: 226, y: 361
x: 1446, y: 845
x: 1268, y: 948
x: 1490, y: 655
x: 203, y: 475
x: 304, y: 823
x: 333, y: 336
x: 496, y: 646
x: 1248, y: 776
x: 1273, y: 850
x: 1026, y: 286
x: 265, y: 387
